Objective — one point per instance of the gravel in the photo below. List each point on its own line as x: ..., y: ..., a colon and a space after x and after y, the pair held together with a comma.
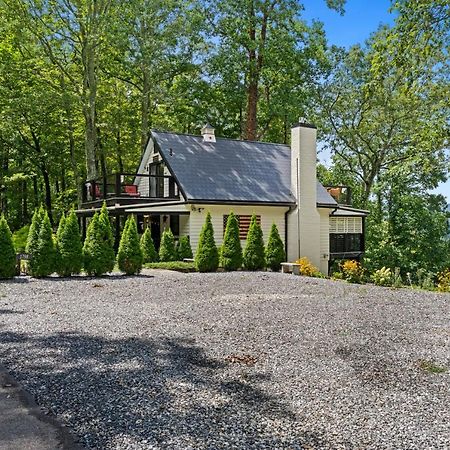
x: 232, y: 360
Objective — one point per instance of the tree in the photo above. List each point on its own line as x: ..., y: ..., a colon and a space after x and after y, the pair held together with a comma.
x: 231, y: 250
x: 7, y: 252
x: 70, y: 250
x: 33, y: 237
x: 149, y: 252
x: 254, y: 258
x: 129, y: 256
x: 207, y: 255
x: 98, y: 252
x: 184, y: 250
x: 45, y: 254
x: 167, y: 250
x: 275, y: 253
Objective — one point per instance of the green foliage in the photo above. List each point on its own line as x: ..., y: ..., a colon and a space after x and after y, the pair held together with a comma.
x: 44, y: 256
x: 275, y: 253
x: 425, y: 279
x: 254, y: 258
x: 178, y: 266
x: 69, y: 247
x: 207, y: 255
x: 382, y: 277
x: 98, y: 251
x: 7, y: 252
x: 20, y: 238
x: 129, y: 256
x: 184, y: 249
x: 167, y: 250
x: 33, y: 235
x: 149, y: 252
x: 231, y: 250
x: 443, y: 281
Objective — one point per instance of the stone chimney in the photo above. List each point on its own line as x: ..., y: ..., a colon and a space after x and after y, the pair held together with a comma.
x: 304, y: 219
x: 208, y: 133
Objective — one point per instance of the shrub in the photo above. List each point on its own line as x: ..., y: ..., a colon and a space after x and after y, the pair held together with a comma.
x: 207, y: 255
x: 254, y: 258
x: 443, y: 279
x: 307, y: 268
x: 98, y: 250
x: 33, y: 237
x: 425, y: 280
x: 7, y: 252
x: 397, y: 281
x: 178, y: 266
x: 382, y: 277
x: 231, y: 250
x: 184, y: 249
x: 44, y: 257
x: 275, y: 253
x: 352, y: 271
x: 20, y: 239
x: 149, y: 253
x: 167, y: 250
x: 129, y: 256
x: 69, y: 248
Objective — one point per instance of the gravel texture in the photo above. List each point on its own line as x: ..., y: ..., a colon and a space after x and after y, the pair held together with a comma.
x: 232, y: 360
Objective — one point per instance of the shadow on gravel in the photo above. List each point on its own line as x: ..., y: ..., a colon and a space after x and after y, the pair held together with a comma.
x: 163, y: 392
x: 10, y: 311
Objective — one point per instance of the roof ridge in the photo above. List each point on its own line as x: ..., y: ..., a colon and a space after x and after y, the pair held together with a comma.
x: 218, y: 137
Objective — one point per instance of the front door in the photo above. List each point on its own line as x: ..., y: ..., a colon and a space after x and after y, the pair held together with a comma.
x: 155, y: 229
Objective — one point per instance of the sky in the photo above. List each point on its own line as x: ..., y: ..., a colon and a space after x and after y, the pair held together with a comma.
x: 361, y: 18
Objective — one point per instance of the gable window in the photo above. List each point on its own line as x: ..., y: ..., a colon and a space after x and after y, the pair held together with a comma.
x: 244, y: 224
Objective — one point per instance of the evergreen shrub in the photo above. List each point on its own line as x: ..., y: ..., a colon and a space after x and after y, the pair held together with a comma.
x: 7, y: 252
x: 129, y: 256
x: 275, y: 253
x: 149, y: 252
x: 254, y: 258
x: 231, y: 250
x: 207, y: 255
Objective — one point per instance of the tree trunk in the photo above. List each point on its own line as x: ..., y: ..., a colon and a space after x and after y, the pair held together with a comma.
x: 48, y: 192
x: 252, y: 110
x: 145, y: 108
x: 119, y: 151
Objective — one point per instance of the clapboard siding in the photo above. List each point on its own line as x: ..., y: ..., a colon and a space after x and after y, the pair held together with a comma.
x: 269, y: 215
x: 324, y: 239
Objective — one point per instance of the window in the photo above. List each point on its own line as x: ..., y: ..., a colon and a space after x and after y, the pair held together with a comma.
x: 345, y: 225
x: 244, y: 224
x: 346, y: 242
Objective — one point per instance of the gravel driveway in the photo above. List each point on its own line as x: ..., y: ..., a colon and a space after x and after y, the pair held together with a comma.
x: 232, y: 360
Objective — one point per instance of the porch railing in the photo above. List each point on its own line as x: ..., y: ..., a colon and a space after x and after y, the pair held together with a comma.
x: 127, y: 185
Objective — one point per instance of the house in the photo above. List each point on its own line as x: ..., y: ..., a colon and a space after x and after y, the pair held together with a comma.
x: 182, y: 176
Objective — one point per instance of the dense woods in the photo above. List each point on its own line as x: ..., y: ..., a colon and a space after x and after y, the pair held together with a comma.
x: 82, y: 83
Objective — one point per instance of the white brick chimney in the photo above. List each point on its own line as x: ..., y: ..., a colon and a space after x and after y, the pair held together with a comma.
x: 208, y: 133
x: 304, y: 219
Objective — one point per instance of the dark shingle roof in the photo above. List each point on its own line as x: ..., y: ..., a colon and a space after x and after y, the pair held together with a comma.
x: 231, y: 170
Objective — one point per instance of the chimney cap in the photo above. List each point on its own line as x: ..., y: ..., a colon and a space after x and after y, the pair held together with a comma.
x: 303, y: 124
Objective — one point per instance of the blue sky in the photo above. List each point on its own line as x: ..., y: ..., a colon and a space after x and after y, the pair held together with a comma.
x: 361, y: 18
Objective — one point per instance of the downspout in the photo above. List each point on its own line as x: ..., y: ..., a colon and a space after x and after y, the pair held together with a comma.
x: 298, y: 207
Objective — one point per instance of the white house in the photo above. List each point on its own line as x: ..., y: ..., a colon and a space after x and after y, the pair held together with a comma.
x: 182, y: 176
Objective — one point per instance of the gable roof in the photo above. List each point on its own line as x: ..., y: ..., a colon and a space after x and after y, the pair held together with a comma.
x: 231, y: 170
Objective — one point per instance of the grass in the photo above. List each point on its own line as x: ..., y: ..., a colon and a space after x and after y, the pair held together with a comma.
x: 178, y: 266
x: 430, y: 367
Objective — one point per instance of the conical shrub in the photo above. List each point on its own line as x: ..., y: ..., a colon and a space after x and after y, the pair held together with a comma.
x: 129, y: 256
x: 231, y: 250
x: 167, y: 251
x: 33, y: 237
x: 275, y: 253
x: 69, y: 248
x: 184, y: 249
x: 254, y: 258
x: 149, y: 252
x: 45, y: 254
x: 7, y: 252
x: 207, y: 255
x: 98, y: 250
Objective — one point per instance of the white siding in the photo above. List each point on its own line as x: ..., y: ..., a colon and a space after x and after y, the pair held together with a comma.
x: 269, y: 215
x: 324, y: 239
x: 184, y: 225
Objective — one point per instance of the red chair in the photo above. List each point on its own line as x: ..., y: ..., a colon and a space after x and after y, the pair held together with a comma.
x: 131, y: 190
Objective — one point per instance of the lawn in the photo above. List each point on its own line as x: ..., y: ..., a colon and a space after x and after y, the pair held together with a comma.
x: 231, y: 360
